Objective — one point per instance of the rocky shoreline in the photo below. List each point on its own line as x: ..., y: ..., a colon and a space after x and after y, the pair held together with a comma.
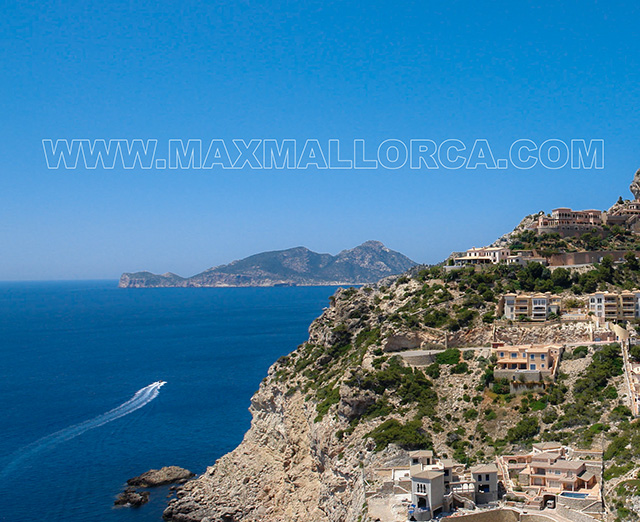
x: 132, y: 497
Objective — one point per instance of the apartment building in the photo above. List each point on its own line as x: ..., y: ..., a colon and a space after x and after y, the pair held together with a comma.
x: 528, y: 363
x: 615, y: 306
x: 534, y: 307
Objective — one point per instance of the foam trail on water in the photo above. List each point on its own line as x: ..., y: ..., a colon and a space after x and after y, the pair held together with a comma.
x: 140, y: 399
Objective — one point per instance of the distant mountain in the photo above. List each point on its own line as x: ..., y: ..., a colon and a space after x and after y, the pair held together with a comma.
x: 367, y: 263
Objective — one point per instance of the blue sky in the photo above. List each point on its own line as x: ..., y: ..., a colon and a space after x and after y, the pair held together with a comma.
x: 300, y: 70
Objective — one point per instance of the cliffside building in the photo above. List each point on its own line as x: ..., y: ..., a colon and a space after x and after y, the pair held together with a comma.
x: 612, y: 306
x: 534, y: 307
x: 485, y: 477
x: 551, y: 472
x: 527, y: 363
x: 439, y: 485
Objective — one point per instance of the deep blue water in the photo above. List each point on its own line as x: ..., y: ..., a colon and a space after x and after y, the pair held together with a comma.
x: 72, y: 351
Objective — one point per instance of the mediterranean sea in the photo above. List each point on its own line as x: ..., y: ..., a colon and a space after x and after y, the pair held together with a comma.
x: 79, y: 416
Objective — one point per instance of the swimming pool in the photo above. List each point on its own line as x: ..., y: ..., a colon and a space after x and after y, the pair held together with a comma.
x: 571, y: 494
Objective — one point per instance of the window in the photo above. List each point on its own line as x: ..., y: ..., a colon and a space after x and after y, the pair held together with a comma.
x: 487, y: 478
x: 532, y: 357
x: 542, y: 366
x: 542, y: 356
x: 532, y: 366
x: 514, y: 355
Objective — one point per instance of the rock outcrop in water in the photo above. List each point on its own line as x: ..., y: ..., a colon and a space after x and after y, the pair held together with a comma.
x: 367, y: 263
x: 160, y: 477
x: 132, y: 498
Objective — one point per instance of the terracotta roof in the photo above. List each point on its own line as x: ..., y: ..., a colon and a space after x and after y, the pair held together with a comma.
x: 586, y: 476
x: 547, y: 445
x: 485, y: 468
x: 421, y: 453
x: 428, y: 475
x: 547, y: 455
x: 568, y: 464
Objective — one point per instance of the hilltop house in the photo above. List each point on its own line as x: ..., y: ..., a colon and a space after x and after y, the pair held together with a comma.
x: 567, y: 222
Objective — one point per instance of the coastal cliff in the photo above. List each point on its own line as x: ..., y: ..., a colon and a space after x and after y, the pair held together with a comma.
x: 351, y: 399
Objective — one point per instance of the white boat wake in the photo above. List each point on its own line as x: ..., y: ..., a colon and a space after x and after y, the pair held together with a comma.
x: 140, y: 399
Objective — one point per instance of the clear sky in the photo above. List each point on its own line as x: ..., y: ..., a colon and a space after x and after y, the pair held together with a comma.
x: 345, y: 70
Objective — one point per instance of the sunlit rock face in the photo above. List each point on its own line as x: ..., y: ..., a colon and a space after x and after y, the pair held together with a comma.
x: 635, y: 185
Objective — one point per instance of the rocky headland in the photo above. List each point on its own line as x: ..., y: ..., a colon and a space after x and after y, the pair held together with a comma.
x: 367, y: 263
x: 406, y: 364
x: 347, y: 402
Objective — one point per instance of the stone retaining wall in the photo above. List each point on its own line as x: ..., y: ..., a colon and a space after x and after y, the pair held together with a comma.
x: 493, y: 515
x: 576, y: 516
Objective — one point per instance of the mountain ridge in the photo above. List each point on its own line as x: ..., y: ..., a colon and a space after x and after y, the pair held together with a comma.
x: 297, y: 266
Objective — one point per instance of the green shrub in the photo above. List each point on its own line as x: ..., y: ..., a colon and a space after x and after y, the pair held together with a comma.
x: 462, y: 367
x: 490, y: 415
x: 470, y: 414
x: 501, y: 387
x: 409, y: 436
x: 525, y: 430
x: 448, y: 356
x: 433, y: 370
x: 328, y: 396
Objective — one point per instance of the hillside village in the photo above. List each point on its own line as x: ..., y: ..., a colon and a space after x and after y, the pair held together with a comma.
x: 551, y: 478
x: 501, y: 385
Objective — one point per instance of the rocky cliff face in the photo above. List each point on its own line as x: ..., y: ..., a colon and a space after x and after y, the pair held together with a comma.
x: 349, y: 401
x: 285, y: 469
x: 290, y: 465
x: 635, y: 185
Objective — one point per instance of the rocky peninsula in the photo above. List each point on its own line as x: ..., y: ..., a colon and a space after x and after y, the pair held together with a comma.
x: 367, y: 263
